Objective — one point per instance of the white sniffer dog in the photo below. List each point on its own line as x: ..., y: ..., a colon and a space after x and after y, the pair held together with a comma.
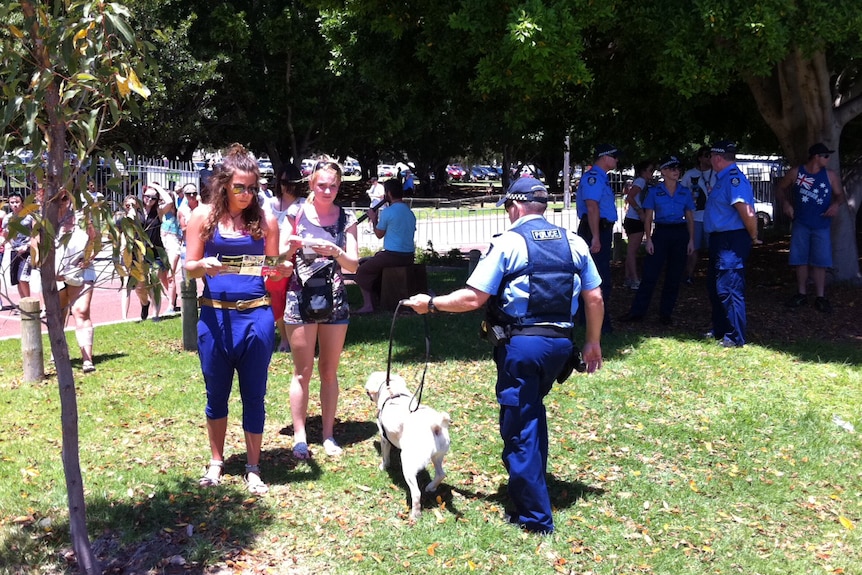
x: 421, y: 435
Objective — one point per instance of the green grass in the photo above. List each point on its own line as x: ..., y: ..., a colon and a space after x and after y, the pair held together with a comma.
x: 678, y: 457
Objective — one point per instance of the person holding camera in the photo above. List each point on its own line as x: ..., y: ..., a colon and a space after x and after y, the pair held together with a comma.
x: 397, y: 226
x: 322, y: 237
x: 530, y: 278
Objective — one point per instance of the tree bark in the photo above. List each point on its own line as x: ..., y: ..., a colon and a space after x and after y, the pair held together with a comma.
x: 55, y: 135
x: 797, y: 103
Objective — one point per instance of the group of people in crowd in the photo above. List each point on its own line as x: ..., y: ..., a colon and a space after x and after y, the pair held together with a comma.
x: 708, y: 207
x: 73, y: 241
x: 536, y: 282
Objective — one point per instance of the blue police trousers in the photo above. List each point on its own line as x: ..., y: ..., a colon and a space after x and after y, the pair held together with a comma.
x: 526, y: 369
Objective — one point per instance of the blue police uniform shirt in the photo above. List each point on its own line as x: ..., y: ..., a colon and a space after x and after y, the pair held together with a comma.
x: 731, y: 187
x: 669, y: 209
x: 508, y: 253
x: 399, y: 223
x: 595, y: 186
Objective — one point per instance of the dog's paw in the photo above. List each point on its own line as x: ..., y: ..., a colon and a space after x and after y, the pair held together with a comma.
x: 383, y: 465
x: 415, y: 514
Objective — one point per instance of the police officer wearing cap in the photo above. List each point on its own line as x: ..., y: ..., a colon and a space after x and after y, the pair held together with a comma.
x: 731, y: 223
x: 669, y: 205
x: 597, y: 211
x: 530, y: 277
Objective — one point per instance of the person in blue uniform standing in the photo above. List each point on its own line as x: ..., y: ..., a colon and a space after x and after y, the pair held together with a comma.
x: 236, y: 330
x: 810, y: 195
x: 731, y: 223
x: 530, y: 278
x: 670, y: 206
x: 597, y: 211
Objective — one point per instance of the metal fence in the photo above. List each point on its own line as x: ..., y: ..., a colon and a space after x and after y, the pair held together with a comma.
x: 132, y: 175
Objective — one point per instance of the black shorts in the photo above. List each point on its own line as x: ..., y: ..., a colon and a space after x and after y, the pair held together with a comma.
x: 633, y: 226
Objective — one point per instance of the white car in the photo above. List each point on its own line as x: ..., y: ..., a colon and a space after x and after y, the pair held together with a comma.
x: 265, y: 167
x: 763, y: 210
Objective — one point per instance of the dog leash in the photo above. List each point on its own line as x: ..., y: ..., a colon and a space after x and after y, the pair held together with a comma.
x: 416, y: 399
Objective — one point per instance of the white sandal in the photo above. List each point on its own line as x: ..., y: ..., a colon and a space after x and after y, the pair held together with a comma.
x: 253, y: 482
x: 212, y: 480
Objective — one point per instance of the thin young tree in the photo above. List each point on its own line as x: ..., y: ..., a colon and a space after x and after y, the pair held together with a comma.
x: 67, y: 74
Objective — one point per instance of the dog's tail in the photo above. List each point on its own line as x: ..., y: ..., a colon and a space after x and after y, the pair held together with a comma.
x: 442, y: 425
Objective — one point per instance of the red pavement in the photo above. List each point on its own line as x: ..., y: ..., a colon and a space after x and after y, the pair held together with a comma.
x: 104, y: 309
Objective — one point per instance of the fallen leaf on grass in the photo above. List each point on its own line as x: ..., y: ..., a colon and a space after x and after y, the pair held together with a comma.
x: 432, y: 548
x: 846, y: 523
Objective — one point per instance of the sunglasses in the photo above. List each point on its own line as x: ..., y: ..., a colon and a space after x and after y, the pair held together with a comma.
x: 149, y: 198
x: 324, y: 165
x: 508, y: 204
x: 239, y: 189
x: 129, y: 205
x: 193, y: 194
x: 824, y: 156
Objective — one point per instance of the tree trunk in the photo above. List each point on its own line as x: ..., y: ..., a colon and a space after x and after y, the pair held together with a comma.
x: 56, y: 137
x: 796, y: 102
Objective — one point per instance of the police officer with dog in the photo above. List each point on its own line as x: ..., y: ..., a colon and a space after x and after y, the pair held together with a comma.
x: 530, y: 278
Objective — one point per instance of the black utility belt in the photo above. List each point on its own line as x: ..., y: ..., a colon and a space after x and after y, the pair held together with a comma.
x: 604, y: 224
x: 541, y: 330
x: 501, y: 334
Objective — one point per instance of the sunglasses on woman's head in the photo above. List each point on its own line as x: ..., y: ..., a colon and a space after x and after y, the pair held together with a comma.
x: 327, y: 165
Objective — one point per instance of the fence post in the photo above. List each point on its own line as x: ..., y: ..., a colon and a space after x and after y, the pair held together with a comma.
x: 189, y: 294
x: 31, y: 339
x: 619, y: 249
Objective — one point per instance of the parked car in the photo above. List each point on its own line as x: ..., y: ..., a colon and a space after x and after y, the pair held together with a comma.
x: 351, y: 167
x: 307, y: 167
x: 478, y: 173
x: 265, y: 167
x: 494, y: 173
x: 386, y: 171
x: 455, y: 172
x: 763, y: 210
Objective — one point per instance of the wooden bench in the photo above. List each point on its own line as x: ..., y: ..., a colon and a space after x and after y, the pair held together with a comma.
x: 400, y: 283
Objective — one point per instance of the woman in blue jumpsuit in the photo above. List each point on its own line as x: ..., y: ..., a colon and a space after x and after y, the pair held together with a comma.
x: 236, y: 329
x: 671, y: 206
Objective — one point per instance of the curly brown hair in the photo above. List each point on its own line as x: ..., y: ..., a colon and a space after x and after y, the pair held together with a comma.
x: 237, y: 159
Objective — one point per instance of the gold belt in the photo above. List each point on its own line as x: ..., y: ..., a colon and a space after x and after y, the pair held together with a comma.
x: 239, y: 305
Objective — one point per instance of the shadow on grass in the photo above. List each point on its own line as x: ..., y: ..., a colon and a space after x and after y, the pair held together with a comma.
x: 172, y: 527
x: 346, y: 433
x: 563, y: 494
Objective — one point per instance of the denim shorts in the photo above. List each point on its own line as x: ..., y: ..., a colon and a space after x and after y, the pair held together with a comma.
x: 810, y: 246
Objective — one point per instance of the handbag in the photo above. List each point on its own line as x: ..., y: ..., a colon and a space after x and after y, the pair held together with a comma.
x: 316, y: 300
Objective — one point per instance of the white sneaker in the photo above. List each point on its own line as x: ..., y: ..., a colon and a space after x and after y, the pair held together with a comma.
x: 635, y: 285
x: 331, y: 448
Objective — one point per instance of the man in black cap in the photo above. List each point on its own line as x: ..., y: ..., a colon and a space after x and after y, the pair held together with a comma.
x: 810, y: 195
x: 597, y: 211
x: 730, y: 221
x: 531, y: 277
